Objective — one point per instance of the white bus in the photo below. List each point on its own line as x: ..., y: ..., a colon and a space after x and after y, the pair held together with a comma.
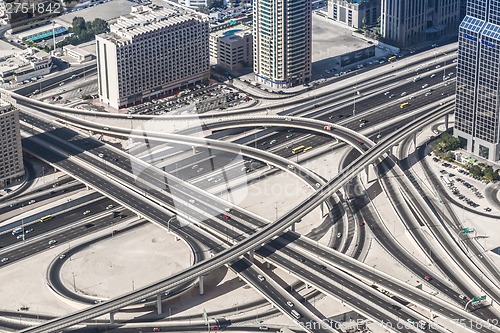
x: 447, y: 181
x: 17, y: 231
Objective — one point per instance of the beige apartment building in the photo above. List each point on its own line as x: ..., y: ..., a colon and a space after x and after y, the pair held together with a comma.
x: 355, y: 14
x: 149, y: 52
x: 11, y: 152
x: 231, y: 48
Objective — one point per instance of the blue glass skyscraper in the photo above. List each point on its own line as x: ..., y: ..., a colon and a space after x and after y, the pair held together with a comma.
x: 478, y: 77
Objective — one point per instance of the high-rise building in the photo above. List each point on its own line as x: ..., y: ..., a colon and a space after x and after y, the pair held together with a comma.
x: 282, y: 42
x: 231, y: 48
x: 149, y: 52
x: 11, y: 152
x: 477, y: 114
x: 354, y: 13
x: 405, y: 22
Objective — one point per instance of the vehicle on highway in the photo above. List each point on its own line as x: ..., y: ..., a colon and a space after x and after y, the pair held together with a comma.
x: 261, y: 278
x: 288, y: 136
x: 425, y: 86
x: 392, y: 58
x: 45, y: 218
x: 20, y: 236
x: 462, y: 297
x: 427, y: 94
x: 298, y: 149
x: 31, y: 202
x: 227, y: 217
x: 290, y: 304
x: 404, y: 93
x: 307, y: 148
x: 17, y: 231
x: 395, y: 307
x: 98, y: 301
x: 416, y: 78
x: 192, y: 201
x: 488, y: 209
x: 339, y: 235
x: 291, y: 167
x: 4, y: 259
x: 403, y: 105
x: 101, y: 155
x: 86, y: 212
x: 361, y: 223
x: 62, y: 256
x: 295, y: 314
x: 327, y: 128
x: 27, y: 231
x: 156, y: 329
x: 272, y: 142
x: 109, y: 206
x: 52, y: 242
x: 428, y: 278
x: 263, y: 328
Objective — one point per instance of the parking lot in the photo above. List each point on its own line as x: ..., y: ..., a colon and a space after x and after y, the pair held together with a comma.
x: 199, y: 99
x: 462, y: 184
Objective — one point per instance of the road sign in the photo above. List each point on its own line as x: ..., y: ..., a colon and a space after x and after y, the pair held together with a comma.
x: 478, y: 298
x: 468, y: 230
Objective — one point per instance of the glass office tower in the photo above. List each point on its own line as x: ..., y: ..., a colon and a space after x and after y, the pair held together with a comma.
x: 478, y: 77
x: 282, y: 42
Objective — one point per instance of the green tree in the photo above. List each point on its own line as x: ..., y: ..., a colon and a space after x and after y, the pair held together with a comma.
x: 78, y: 25
x: 448, y: 156
x: 99, y: 26
x: 476, y: 171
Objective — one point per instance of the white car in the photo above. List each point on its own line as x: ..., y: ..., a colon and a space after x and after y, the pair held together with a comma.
x: 290, y: 304
x: 5, y: 259
x: 52, y: 242
x: 261, y: 278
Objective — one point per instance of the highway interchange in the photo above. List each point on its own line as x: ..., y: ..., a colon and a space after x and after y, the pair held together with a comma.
x: 115, y: 167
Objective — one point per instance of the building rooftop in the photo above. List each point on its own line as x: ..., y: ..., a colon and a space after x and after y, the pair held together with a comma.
x: 238, y: 30
x: 144, y: 19
x: 22, y: 60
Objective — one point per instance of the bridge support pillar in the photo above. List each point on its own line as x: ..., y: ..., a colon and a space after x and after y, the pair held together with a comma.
x: 112, y: 318
x: 368, y: 175
x: 292, y: 227
x: 158, y: 304
x: 446, y: 121
x: 268, y: 264
x: 250, y: 256
x: 194, y: 150
x: 200, y: 284
x: 415, y: 140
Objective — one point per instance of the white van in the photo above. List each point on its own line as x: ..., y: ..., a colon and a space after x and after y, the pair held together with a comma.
x: 295, y: 314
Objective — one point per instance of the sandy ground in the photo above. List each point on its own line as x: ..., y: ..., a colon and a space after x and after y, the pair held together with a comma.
x: 105, y: 269
x: 112, y: 267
